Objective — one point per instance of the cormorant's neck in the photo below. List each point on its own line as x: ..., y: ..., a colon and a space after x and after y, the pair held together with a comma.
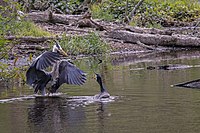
x: 103, y: 89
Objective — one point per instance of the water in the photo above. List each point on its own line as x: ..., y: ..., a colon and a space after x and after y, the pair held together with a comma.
x: 142, y: 100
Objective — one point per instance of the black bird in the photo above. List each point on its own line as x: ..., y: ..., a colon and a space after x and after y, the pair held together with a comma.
x: 62, y: 71
x: 103, y: 93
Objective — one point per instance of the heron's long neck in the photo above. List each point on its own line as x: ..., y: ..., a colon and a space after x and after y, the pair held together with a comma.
x: 55, y: 71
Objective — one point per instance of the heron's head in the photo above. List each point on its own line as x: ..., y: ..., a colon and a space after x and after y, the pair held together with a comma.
x: 57, y: 48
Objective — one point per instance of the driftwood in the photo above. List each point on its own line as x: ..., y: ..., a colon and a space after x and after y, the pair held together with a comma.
x: 155, y: 39
x: 189, y: 84
x: 51, y: 17
x: 78, y: 20
x: 166, y: 31
x: 146, y: 46
x: 33, y: 47
x: 89, y: 23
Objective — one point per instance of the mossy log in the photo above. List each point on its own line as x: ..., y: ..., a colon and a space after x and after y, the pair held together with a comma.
x: 155, y: 39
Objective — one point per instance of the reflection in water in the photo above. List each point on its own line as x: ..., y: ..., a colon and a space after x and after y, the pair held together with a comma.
x: 146, y: 103
x: 53, y: 115
x: 58, y: 115
x: 102, y: 117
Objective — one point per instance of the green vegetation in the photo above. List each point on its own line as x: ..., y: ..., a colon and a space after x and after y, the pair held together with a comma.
x: 152, y: 13
x: 27, y: 28
x: 7, y: 72
x: 12, y: 23
x: 89, y: 44
x: 100, y: 12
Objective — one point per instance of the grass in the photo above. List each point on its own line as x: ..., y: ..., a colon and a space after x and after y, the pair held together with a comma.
x: 88, y: 45
x: 27, y: 28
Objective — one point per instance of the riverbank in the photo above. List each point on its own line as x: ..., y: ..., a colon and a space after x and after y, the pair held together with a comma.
x: 121, y: 37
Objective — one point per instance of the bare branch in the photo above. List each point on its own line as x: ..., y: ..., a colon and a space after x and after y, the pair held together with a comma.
x: 132, y: 14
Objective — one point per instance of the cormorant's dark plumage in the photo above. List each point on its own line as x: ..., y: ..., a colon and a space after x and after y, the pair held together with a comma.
x: 103, y: 93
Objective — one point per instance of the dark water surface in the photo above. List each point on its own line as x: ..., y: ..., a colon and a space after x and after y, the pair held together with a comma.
x: 142, y: 100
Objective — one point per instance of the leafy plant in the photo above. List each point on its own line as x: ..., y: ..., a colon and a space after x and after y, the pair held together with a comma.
x: 155, y: 13
x: 152, y: 13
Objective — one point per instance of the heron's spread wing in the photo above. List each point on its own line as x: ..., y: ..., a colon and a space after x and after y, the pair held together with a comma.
x: 33, y: 76
x: 46, y: 59
x: 70, y: 74
x: 37, y: 79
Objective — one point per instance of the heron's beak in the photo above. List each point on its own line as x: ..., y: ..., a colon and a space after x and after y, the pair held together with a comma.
x: 63, y: 52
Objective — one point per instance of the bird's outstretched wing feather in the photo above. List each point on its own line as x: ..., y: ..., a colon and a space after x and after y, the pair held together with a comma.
x: 70, y: 74
x: 46, y: 59
x: 33, y: 76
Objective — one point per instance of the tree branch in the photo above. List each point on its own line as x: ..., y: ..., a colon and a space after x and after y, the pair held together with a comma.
x: 132, y: 14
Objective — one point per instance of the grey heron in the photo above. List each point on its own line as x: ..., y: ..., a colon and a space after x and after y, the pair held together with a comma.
x: 63, y: 71
x: 103, y: 92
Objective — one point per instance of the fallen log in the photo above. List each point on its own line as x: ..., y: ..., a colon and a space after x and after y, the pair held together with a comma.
x: 189, y: 84
x: 52, y: 17
x: 166, y: 31
x: 155, y: 39
x: 30, y: 38
x: 33, y: 47
x: 78, y: 20
x: 90, y: 23
x: 145, y: 46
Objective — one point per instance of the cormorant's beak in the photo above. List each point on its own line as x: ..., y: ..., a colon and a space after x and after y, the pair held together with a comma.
x: 62, y: 52
x: 95, y: 76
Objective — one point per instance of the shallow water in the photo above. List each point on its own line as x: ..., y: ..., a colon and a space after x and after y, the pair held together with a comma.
x: 142, y: 100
